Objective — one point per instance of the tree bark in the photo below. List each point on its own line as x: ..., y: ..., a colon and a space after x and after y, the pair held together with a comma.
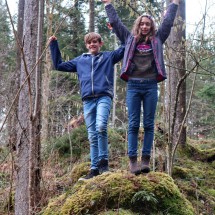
x: 28, y: 143
x: 46, y: 76
x: 75, y: 27
x: 34, y: 162
x: 177, y: 89
x: 92, y: 16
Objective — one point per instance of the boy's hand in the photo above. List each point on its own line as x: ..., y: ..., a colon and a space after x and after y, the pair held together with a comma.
x: 52, y: 38
x: 109, y: 26
x: 106, y: 1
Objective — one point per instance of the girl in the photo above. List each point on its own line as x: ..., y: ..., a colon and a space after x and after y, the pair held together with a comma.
x: 143, y: 67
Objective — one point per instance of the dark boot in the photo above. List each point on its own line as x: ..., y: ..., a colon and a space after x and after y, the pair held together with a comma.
x: 103, y: 166
x: 91, y: 174
x: 133, y: 165
x: 145, y: 160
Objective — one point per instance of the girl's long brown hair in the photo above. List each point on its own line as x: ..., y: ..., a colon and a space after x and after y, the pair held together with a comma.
x: 137, y: 32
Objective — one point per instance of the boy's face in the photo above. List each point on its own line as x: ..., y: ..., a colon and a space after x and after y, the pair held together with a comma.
x: 94, y: 46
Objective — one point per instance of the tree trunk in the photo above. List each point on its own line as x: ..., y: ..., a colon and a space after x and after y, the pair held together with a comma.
x: 92, y: 16
x: 34, y: 162
x: 28, y: 144
x: 46, y: 76
x: 177, y: 88
x: 75, y: 26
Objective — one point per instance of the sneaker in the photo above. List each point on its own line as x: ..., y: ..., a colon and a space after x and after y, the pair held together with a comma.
x: 103, y: 166
x: 91, y: 174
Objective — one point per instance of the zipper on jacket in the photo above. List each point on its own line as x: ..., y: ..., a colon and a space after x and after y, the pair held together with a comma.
x: 100, y: 57
x: 107, y: 79
x: 92, y: 75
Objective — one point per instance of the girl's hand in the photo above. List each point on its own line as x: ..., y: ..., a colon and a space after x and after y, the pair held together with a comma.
x: 106, y: 1
x: 176, y: 1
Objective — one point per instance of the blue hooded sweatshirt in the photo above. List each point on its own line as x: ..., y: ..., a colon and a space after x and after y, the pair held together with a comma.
x: 95, y: 72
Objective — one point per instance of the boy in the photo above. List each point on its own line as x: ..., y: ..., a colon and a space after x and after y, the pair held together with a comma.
x: 95, y: 74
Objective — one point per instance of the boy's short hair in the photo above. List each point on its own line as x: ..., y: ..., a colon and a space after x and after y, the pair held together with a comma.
x: 91, y: 36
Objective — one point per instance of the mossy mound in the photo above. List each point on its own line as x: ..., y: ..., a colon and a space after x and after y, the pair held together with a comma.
x: 194, y: 175
x: 104, y: 194
x: 201, y: 150
x: 118, y: 212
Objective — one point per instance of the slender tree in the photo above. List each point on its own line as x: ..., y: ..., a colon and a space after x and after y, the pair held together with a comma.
x: 46, y: 75
x: 177, y: 83
x: 75, y: 17
x: 35, y: 157
x: 7, y: 68
x: 92, y: 15
x: 28, y: 143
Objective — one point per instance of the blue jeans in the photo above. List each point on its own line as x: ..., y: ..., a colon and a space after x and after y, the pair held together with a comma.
x: 96, y: 115
x: 141, y: 93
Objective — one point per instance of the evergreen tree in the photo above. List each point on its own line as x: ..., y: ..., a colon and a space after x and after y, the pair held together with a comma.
x: 7, y: 65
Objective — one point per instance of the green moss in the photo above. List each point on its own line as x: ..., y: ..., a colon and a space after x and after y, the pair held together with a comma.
x: 198, y: 196
x: 82, y: 202
x: 189, y: 168
x: 211, y: 192
x: 200, y: 151
x: 177, y: 206
x: 168, y: 195
x: 196, y: 175
x: 181, y: 172
x: 116, y: 190
x: 213, y: 164
x: 119, y: 211
x: 79, y: 170
x: 54, y: 205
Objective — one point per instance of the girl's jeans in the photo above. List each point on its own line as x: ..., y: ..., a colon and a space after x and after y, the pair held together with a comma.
x: 96, y: 114
x: 141, y: 92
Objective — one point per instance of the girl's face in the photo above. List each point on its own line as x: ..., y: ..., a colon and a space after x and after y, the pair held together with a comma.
x: 145, y: 26
x: 94, y: 46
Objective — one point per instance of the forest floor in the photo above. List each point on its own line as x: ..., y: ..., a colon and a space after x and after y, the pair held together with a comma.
x: 193, y: 172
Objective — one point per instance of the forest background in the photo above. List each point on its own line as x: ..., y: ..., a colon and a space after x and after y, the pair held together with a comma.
x: 38, y: 106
